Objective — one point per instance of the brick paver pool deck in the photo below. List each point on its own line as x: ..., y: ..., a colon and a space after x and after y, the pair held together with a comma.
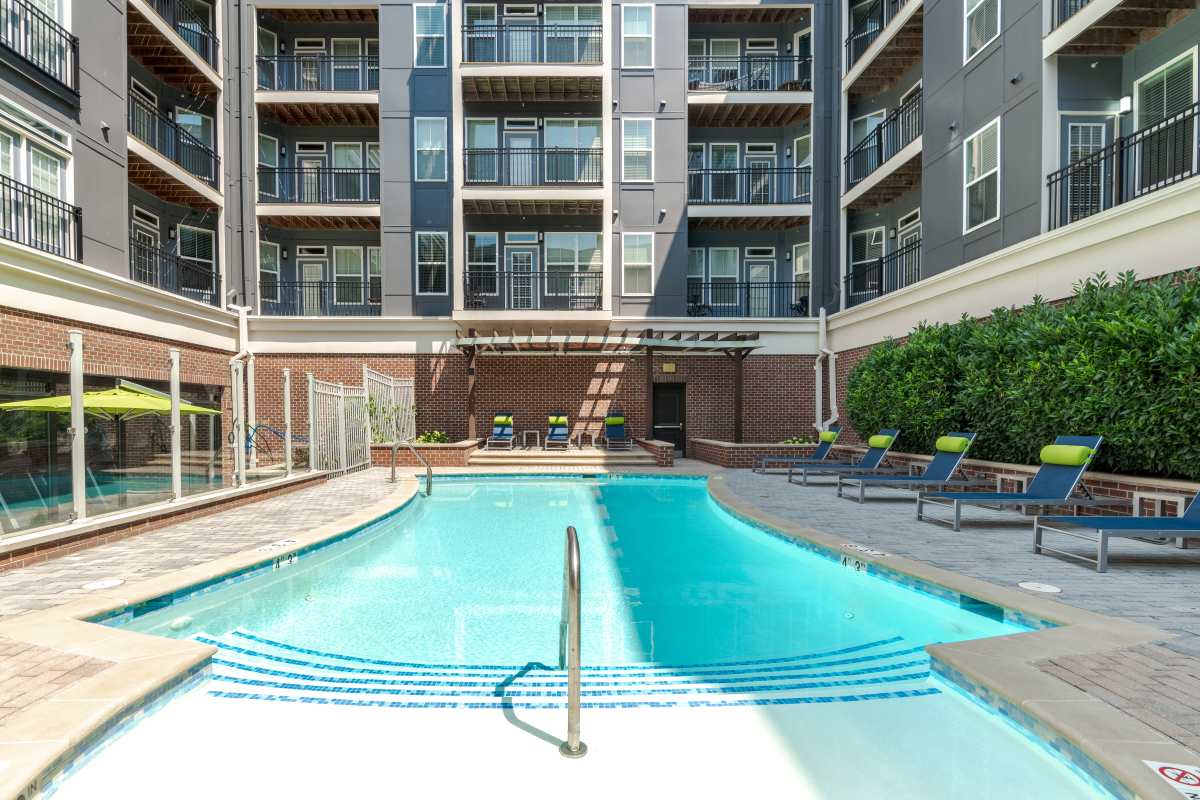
x: 1156, y: 585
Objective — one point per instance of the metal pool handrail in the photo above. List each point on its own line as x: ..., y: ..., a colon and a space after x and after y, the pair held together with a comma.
x: 428, y: 469
x: 568, y: 645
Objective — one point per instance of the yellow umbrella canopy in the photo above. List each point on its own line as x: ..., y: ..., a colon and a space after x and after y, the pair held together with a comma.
x: 115, y: 404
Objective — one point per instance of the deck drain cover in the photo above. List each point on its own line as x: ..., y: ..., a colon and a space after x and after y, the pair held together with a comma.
x: 1034, y: 586
x: 103, y: 583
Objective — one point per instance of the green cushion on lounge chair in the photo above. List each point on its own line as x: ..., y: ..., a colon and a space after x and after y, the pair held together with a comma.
x: 952, y: 444
x: 502, y: 420
x: 1066, y: 455
x: 614, y: 420
x: 828, y: 436
x: 557, y: 421
x: 879, y: 440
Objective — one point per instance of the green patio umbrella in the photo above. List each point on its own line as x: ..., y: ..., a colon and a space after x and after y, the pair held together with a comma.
x: 112, y: 404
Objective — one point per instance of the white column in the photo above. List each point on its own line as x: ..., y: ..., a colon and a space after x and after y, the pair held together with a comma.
x: 251, y: 413
x: 239, y: 423
x: 77, y: 429
x: 312, y: 421
x: 176, y: 428
x: 287, y: 421
x: 367, y: 404
x: 343, y: 456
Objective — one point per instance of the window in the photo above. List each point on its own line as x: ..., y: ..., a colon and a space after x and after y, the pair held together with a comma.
x: 196, y: 248
x: 347, y: 63
x: 374, y: 276
x: 1168, y: 153
x: 373, y: 171
x: 802, y: 279
x: 981, y: 176
x: 761, y: 45
x: 372, y: 64
x: 200, y: 126
x: 637, y: 36
x: 572, y: 34
x: 480, y: 43
x: 697, y: 50
x: 580, y: 138
x: 431, y: 263
x: 637, y: 136
x: 482, y: 158
x: 723, y: 176
x: 347, y: 275
x: 866, y: 265
x: 724, y: 63
x: 637, y: 263
x: 268, y: 165
x: 723, y: 275
x: 347, y: 171
x: 429, y: 35
x: 430, y: 142
x: 45, y: 172
x: 695, y: 276
x: 802, y: 158
x: 982, y: 26
x: 568, y: 254
x: 482, y: 250
x: 268, y: 272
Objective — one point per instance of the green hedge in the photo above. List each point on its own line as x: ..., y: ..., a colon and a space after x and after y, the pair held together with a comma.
x: 1120, y: 359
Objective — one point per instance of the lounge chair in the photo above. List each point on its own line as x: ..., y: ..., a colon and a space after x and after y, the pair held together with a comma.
x: 1186, y: 526
x: 1063, y: 465
x: 950, y: 450
x: 825, y: 440
x: 872, y: 460
x: 502, y: 432
x: 557, y: 432
x: 615, y: 435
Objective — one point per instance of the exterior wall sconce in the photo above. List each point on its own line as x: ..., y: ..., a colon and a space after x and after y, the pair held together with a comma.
x: 283, y: 149
x: 891, y: 233
x: 283, y: 47
x: 1126, y: 105
x: 284, y: 253
x: 787, y: 151
x: 171, y: 232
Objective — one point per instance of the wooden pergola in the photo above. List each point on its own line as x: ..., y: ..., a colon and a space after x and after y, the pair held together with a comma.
x: 646, y: 342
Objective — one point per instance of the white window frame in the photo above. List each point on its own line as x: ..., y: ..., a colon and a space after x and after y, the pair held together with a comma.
x: 759, y: 253
x: 807, y: 274
x: 762, y: 45
x: 362, y: 266
x: 882, y: 233
x: 649, y: 150
x: 735, y: 278
x: 180, y: 228
x: 417, y: 235
x: 998, y: 171
x: 484, y: 266
x: 376, y: 251
x: 968, y: 7
x: 262, y: 295
x: 624, y: 287
x: 333, y: 168
x: 211, y: 120
x: 624, y: 36
x: 275, y: 166
x: 577, y: 266
x: 445, y: 146
x: 1192, y: 53
x: 417, y: 37
x: 357, y: 68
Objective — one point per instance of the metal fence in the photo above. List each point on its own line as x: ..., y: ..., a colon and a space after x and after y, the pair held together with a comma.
x: 168, y: 137
x: 391, y: 407
x: 900, y: 128
x: 317, y: 72
x: 721, y: 298
x: 40, y: 40
x: 749, y: 73
x: 541, y: 166
x: 521, y: 42
x: 318, y: 185
x: 753, y: 185
x: 170, y: 271
x: 879, y: 276
x: 190, y: 27
x: 338, y: 426
x: 867, y: 28
x: 340, y: 298
x: 517, y: 290
x: 40, y: 220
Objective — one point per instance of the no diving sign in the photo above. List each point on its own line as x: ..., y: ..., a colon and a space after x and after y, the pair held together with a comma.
x: 1184, y: 777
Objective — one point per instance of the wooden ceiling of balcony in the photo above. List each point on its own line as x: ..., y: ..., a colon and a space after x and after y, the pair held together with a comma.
x: 335, y: 115
x: 321, y: 15
x: 1128, y: 25
x: 903, y: 179
x: 761, y: 15
x: 318, y: 222
x: 747, y: 115
x: 524, y: 89
x: 150, y: 48
x: 889, y: 66
x: 533, y: 208
x: 736, y: 223
x: 164, y: 186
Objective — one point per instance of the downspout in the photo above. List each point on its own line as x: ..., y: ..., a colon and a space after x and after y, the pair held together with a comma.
x: 825, y: 354
x: 236, y: 372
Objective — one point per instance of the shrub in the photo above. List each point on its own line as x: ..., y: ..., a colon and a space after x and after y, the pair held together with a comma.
x: 799, y: 440
x: 432, y: 437
x: 1119, y: 358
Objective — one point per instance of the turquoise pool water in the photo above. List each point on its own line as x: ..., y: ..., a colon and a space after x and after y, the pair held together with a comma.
x: 452, y: 605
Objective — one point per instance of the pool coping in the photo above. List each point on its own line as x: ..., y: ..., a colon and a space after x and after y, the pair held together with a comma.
x: 39, y: 742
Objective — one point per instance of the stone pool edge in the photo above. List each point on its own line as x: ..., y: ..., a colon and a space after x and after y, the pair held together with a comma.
x: 1000, y: 672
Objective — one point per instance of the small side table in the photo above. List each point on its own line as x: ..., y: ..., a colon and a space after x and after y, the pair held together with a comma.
x: 579, y: 439
x: 537, y: 438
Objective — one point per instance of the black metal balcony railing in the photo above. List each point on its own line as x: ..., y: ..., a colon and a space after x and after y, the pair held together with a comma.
x: 1063, y: 10
x: 193, y: 30
x: 892, y: 135
x: 750, y: 186
x: 171, y: 272
x: 329, y: 185
x: 529, y: 43
x: 39, y: 220
x: 342, y: 298
x: 878, y: 277
x: 166, y: 136
x: 868, y: 27
x: 40, y: 40
x: 747, y: 298
x: 1132, y: 166
x: 318, y: 73
x: 513, y: 290
x: 749, y: 73
x: 548, y: 166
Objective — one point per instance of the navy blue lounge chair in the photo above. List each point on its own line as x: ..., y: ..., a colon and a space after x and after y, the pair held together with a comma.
x: 615, y: 435
x: 502, y: 432
x: 557, y: 432
x: 1181, y: 527
x: 825, y: 441
x: 950, y: 450
x: 872, y: 460
x: 1063, y: 465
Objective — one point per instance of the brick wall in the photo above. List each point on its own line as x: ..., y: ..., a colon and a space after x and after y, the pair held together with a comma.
x: 663, y: 452
x: 457, y: 454
x: 726, y: 454
x: 847, y: 360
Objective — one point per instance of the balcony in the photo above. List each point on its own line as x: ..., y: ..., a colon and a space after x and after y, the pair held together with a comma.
x: 171, y: 41
x: 491, y: 290
x: 747, y: 298
x: 519, y: 61
x: 327, y: 198
x: 165, y: 136
x: 753, y: 198
x: 546, y: 166
x: 37, y: 38
x: 343, y: 298
x: 886, y: 163
x: 319, y: 89
x: 749, y: 90
x: 1108, y: 27
x: 1131, y: 167
x: 170, y: 272
x: 39, y: 220
x: 880, y: 276
x: 884, y: 42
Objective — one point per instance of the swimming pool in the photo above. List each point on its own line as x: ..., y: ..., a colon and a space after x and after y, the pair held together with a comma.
x: 701, y: 633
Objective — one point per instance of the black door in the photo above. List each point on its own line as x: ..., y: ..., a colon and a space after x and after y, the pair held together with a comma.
x: 669, y: 416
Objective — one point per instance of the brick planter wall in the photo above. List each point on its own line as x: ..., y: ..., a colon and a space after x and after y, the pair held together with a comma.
x: 743, y: 456
x: 455, y: 454
x: 663, y: 452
